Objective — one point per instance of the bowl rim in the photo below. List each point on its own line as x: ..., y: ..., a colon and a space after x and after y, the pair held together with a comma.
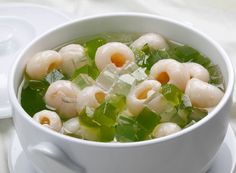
x: 228, y: 92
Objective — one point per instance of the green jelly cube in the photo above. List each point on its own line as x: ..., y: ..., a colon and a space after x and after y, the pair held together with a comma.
x: 172, y: 93
x: 186, y: 53
x: 91, y: 46
x: 148, y: 119
x: 88, y: 133
x: 197, y: 114
x: 184, y: 114
x: 105, y: 114
x: 87, y: 120
x: 33, y: 94
x: 37, y: 85
x: 158, y: 103
x: 190, y: 124
x: 107, y: 133
x: 83, y: 80
x: 167, y: 115
x: 126, y: 129
x: 216, y: 77
x: 178, y: 120
x: 118, y: 101
x: 89, y: 69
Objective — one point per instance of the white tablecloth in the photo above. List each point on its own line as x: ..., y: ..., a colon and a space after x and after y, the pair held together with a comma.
x: 217, y: 18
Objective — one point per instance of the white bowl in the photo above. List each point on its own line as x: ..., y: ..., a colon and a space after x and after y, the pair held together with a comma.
x: 188, y: 151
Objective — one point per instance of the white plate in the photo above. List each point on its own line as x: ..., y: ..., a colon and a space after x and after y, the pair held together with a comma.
x: 20, y: 23
x: 224, y: 161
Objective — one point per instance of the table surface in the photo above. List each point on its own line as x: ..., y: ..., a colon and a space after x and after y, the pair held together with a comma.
x: 214, y: 17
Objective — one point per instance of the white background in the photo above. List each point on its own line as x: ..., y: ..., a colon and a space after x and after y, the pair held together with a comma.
x: 217, y: 18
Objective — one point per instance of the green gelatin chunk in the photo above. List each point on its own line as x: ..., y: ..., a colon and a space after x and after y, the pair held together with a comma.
x: 126, y: 129
x: 32, y: 94
x: 91, y: 46
x: 154, y: 56
x: 184, y: 114
x: 89, y: 69
x: 126, y: 133
x: 190, y: 124
x: 215, y: 75
x: 158, y: 103
x: 178, y: 120
x: 105, y: 114
x: 136, y: 129
x: 83, y: 80
x: 107, y: 133
x: 148, y: 119
x: 172, y: 93
x: 197, y: 114
x: 186, y: 53
x: 202, y: 60
x: 37, y: 85
x: 89, y: 133
x: 87, y: 120
x: 140, y: 57
x: 81, y: 70
x: 118, y: 101
x: 167, y: 115
x: 148, y: 57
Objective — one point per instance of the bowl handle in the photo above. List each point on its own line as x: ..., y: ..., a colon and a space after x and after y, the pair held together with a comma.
x: 5, y: 112
x: 49, y: 158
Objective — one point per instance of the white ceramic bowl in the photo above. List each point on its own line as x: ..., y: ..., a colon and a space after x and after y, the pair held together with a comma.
x: 188, y: 151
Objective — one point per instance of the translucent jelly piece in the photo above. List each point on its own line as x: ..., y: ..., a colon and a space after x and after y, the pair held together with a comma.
x: 129, y: 68
x: 118, y: 101
x: 107, y: 77
x: 54, y: 76
x: 215, y: 75
x: 107, y: 133
x: 197, y: 114
x: 184, y: 113
x: 139, y: 74
x: 105, y: 114
x: 190, y: 124
x: 178, y: 120
x: 83, y: 80
x: 88, y: 133
x: 186, y: 101
x: 123, y: 85
x: 126, y: 129
x: 71, y: 126
x: 167, y: 115
x: 89, y: 69
x: 158, y: 103
x: 148, y: 120
x: 89, y: 111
